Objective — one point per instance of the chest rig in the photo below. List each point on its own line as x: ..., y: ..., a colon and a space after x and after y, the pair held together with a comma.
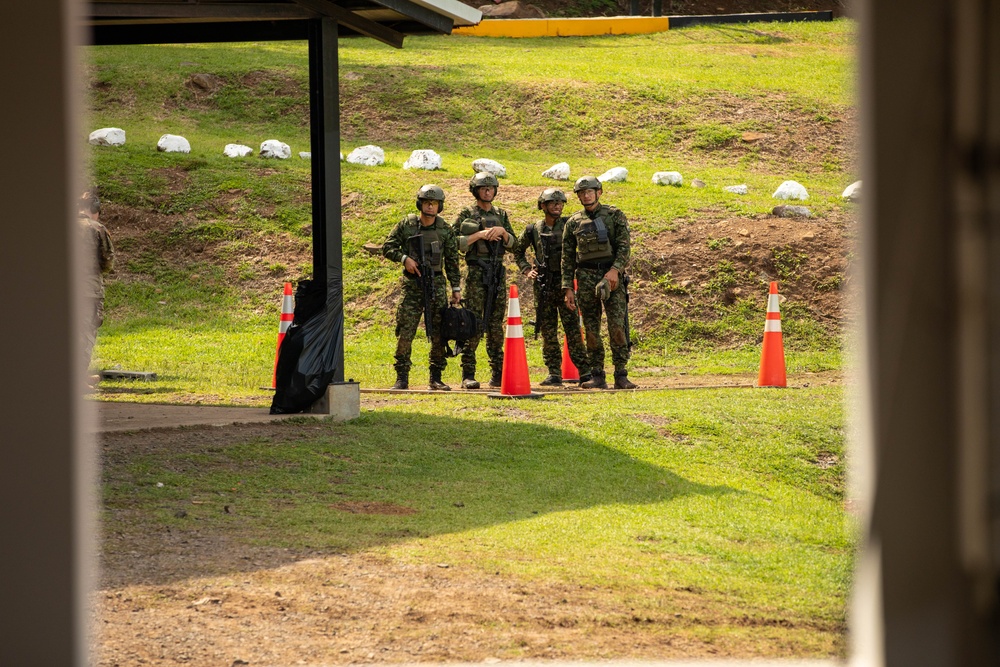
x: 429, y: 240
x: 548, y: 245
x: 593, y: 242
x: 472, y: 225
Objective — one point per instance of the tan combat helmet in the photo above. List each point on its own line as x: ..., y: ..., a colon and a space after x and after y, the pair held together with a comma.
x: 433, y: 193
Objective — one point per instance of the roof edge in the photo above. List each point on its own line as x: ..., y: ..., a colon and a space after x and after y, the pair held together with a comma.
x: 459, y: 12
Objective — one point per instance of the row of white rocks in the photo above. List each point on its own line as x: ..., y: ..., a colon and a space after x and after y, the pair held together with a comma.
x: 373, y: 156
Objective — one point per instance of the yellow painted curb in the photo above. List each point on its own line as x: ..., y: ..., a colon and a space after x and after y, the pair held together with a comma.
x: 615, y: 25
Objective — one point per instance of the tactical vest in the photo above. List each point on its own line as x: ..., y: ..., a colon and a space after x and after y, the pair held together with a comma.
x: 593, y: 241
x: 431, y: 240
x: 472, y: 225
x: 548, y: 246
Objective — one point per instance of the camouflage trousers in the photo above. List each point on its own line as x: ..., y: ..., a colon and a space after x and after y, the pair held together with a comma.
x: 615, y: 308
x: 475, y: 296
x: 408, y: 316
x: 550, y: 307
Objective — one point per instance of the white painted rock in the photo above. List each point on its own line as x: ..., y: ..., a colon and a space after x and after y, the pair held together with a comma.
x: 275, y: 148
x: 668, y: 178
x: 559, y: 172
x: 489, y: 166
x: 370, y: 156
x: 614, y: 175
x: 423, y: 159
x: 172, y: 143
x: 852, y: 193
x: 790, y: 190
x: 736, y: 189
x: 237, y: 150
x: 306, y: 155
x: 108, y: 136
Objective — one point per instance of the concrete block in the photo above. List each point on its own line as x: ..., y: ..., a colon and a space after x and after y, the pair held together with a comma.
x: 342, y: 402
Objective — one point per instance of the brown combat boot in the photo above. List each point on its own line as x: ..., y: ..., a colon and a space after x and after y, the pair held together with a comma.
x: 622, y: 381
x: 596, y: 381
x: 402, y: 381
x: 436, y: 384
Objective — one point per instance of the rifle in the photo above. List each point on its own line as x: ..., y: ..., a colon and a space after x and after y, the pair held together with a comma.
x: 426, y: 279
x: 542, y: 280
x: 491, y: 280
x: 628, y: 329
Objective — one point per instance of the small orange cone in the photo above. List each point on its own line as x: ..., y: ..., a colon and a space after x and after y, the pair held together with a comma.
x: 570, y: 373
x: 514, y: 382
x: 772, y: 355
x: 287, y: 311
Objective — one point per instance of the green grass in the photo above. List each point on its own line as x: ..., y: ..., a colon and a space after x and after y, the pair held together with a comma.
x: 693, y: 489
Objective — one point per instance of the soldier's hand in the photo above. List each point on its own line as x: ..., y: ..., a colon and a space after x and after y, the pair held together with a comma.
x: 411, y: 266
x: 532, y: 273
x: 612, y: 277
x: 494, y: 233
x: 456, y: 298
x: 570, y: 299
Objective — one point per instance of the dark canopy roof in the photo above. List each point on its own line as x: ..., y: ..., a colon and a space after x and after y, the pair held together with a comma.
x: 163, y: 21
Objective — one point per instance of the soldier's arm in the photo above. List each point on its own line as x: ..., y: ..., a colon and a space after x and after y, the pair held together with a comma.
x: 623, y: 242
x: 392, y: 249
x: 106, y: 251
x: 463, y: 241
x: 451, y: 266
x: 521, y: 247
x: 568, y: 255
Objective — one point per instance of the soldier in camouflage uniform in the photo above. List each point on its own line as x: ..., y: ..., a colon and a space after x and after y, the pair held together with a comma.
x: 545, y: 240
x: 99, y: 258
x: 596, y: 248
x: 481, y: 229
x: 440, y: 246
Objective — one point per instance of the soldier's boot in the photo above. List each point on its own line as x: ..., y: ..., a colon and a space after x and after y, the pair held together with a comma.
x: 469, y: 381
x: 596, y: 381
x: 402, y: 380
x: 495, y: 379
x: 584, y: 377
x: 552, y: 380
x: 436, y: 384
x: 622, y: 381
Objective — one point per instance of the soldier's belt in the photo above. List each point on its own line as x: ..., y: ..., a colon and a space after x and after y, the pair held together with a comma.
x: 599, y: 266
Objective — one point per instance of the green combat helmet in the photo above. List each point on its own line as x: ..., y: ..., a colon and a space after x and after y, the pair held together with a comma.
x: 483, y: 179
x: 587, y: 183
x: 433, y: 193
x: 550, y: 194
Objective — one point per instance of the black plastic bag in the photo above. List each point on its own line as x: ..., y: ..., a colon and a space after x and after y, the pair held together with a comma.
x: 313, y: 343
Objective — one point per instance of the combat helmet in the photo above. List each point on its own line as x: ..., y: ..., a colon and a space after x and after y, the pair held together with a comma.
x: 587, y: 183
x: 550, y: 194
x: 433, y: 193
x: 483, y: 179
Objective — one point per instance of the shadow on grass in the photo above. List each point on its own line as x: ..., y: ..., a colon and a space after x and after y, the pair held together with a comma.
x: 191, y: 502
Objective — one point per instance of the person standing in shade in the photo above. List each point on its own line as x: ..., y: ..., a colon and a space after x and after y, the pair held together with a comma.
x: 484, y: 233
x: 545, y: 240
x: 441, y: 249
x: 99, y: 259
x: 596, y: 248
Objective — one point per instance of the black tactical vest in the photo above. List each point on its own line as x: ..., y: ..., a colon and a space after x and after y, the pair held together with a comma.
x: 548, y: 245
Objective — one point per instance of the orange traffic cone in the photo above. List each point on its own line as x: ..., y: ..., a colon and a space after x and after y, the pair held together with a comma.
x: 514, y: 382
x: 772, y: 355
x: 283, y: 324
x: 570, y: 373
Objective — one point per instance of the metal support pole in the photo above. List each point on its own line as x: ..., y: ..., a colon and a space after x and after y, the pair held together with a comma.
x: 635, y: 8
x: 324, y: 108
x: 657, y: 7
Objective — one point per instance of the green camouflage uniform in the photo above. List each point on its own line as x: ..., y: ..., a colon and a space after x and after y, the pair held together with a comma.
x: 550, y: 305
x: 589, y: 274
x: 99, y: 258
x: 411, y: 308
x: 475, y: 292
